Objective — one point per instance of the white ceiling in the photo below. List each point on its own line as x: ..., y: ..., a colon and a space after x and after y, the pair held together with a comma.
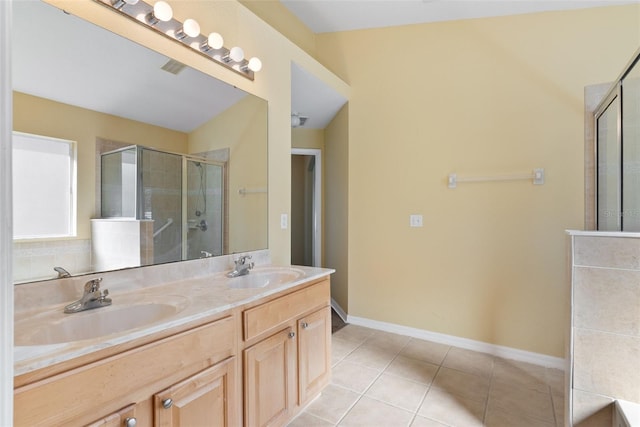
x: 105, y: 72
x: 311, y: 97
x: 323, y: 16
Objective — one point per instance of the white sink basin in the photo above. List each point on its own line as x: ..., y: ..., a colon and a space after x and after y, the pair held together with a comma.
x: 264, y: 276
x: 55, y: 327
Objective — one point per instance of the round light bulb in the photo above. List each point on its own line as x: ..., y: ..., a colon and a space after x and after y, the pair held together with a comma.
x: 215, y: 41
x: 255, y: 64
x: 191, y: 28
x: 295, y: 120
x: 131, y: 2
x: 236, y: 54
x: 162, y: 11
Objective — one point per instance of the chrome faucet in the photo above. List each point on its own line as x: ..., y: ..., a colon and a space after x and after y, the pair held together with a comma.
x: 242, y: 267
x: 93, y: 297
x: 62, y: 273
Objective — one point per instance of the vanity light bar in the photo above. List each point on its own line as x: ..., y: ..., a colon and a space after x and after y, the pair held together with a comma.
x: 159, y: 17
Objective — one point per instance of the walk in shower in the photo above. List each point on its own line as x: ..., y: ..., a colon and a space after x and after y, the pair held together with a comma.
x: 175, y: 204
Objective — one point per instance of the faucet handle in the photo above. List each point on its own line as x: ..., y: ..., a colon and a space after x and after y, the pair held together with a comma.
x: 243, y: 259
x: 93, y: 285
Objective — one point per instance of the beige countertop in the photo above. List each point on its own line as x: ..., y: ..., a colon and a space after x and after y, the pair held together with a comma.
x: 194, y: 299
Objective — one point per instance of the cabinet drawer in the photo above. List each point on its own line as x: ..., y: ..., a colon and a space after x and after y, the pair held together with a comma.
x: 78, y: 396
x: 277, y: 312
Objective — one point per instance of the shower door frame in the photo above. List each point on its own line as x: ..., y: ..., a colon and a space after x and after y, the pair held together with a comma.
x: 185, y: 158
x: 615, y: 94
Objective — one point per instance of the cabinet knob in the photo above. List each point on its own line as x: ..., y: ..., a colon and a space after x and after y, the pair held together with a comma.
x: 130, y: 422
x: 292, y: 334
x: 305, y: 325
x: 167, y: 403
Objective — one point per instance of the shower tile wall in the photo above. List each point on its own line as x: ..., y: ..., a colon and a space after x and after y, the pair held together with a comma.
x: 35, y: 260
x: 605, y: 326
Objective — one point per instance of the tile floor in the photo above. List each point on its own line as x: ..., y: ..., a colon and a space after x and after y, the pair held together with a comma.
x: 383, y: 379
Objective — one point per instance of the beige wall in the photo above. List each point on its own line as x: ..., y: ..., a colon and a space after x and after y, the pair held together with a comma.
x: 282, y: 19
x: 478, y: 96
x: 336, y: 159
x: 240, y: 27
x: 307, y: 138
x: 485, y: 96
x: 41, y: 116
x: 242, y: 129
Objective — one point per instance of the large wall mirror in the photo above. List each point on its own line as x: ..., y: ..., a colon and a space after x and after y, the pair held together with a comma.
x: 124, y: 157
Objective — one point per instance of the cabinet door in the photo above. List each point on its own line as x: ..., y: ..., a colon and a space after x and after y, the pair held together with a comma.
x: 125, y: 417
x: 314, y: 353
x: 270, y: 379
x: 204, y: 399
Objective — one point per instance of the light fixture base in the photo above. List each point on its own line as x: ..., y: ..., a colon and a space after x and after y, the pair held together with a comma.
x: 171, y: 30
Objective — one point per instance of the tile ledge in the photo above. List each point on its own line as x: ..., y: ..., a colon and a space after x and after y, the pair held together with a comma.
x: 594, y: 233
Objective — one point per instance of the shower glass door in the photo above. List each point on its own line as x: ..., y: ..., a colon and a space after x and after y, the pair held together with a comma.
x: 631, y: 150
x: 160, y: 200
x: 608, y: 155
x: 204, y: 202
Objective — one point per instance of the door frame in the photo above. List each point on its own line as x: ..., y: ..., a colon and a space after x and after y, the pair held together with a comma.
x: 317, y: 201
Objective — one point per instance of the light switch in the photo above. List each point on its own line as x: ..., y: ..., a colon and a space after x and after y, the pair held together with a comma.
x: 415, y: 220
x: 284, y: 221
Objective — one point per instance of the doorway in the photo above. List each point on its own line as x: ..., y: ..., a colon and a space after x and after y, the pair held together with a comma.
x: 306, y: 207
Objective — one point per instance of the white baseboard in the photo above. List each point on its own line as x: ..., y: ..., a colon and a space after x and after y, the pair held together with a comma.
x: 493, y: 349
x: 339, y: 310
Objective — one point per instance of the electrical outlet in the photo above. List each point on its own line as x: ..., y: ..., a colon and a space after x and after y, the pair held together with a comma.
x: 284, y: 221
x: 415, y: 220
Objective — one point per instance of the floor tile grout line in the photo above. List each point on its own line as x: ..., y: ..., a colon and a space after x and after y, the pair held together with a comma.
x: 439, y: 365
x: 486, y: 405
x: 412, y: 412
x: 316, y: 416
x: 493, y: 381
x: 553, y: 407
x: 348, y: 409
x: 372, y: 382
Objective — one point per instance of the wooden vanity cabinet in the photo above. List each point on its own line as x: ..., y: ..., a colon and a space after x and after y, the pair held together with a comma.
x: 257, y: 365
x: 207, y: 398
x: 125, y: 417
x: 287, y: 356
x: 270, y: 379
x: 199, y: 364
x: 314, y: 354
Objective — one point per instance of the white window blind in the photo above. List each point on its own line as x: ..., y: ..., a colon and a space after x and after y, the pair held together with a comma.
x: 44, y: 187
